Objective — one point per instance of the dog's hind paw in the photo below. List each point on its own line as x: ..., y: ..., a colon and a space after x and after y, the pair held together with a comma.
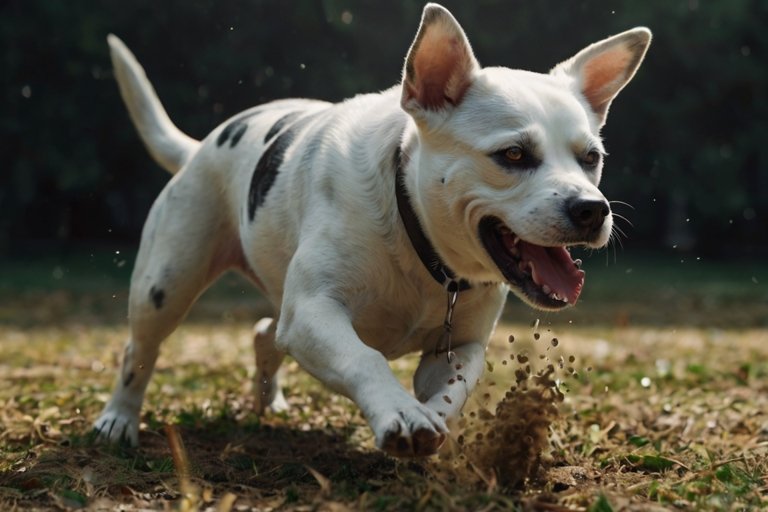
x: 413, y: 433
x: 114, y: 427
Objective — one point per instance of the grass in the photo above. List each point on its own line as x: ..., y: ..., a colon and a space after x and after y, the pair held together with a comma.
x: 664, y: 373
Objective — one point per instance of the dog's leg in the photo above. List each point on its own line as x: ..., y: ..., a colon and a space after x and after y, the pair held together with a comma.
x: 318, y: 332
x: 444, y: 387
x: 180, y: 254
x: 267, y: 383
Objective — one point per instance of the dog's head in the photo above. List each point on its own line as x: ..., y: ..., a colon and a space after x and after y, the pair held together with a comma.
x: 505, y: 163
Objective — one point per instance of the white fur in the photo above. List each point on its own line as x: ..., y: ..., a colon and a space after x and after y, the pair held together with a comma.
x: 328, y: 247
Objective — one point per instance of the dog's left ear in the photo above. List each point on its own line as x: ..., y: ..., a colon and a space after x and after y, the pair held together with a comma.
x: 440, y: 65
x: 601, y: 70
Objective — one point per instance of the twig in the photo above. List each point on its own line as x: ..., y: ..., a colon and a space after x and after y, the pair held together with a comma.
x: 179, y: 454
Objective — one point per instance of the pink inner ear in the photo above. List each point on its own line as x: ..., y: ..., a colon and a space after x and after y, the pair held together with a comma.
x: 604, y: 76
x: 442, y: 67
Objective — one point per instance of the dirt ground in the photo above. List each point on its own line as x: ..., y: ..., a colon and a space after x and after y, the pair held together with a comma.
x: 626, y: 418
x: 651, y: 394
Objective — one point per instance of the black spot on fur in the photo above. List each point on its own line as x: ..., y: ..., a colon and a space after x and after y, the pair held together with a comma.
x: 238, y: 134
x: 128, y: 379
x: 280, y: 124
x: 269, y: 164
x: 226, y: 132
x: 235, y: 130
x: 157, y: 296
x: 266, y: 171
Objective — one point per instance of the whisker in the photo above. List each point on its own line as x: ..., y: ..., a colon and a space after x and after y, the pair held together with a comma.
x: 617, y: 229
x: 619, y: 216
x: 623, y: 203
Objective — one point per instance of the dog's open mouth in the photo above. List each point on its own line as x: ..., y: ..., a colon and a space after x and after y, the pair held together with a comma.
x: 547, y: 276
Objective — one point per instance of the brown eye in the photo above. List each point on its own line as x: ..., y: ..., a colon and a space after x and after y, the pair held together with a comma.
x: 514, y: 154
x: 592, y: 158
x: 516, y: 158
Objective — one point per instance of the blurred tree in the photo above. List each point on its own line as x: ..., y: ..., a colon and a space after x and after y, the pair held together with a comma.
x: 686, y: 137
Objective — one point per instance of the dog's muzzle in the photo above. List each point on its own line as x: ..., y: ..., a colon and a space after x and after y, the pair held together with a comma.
x: 547, y: 276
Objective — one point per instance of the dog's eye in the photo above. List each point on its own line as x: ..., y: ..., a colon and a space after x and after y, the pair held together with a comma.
x: 514, y: 154
x: 592, y: 158
x: 516, y: 158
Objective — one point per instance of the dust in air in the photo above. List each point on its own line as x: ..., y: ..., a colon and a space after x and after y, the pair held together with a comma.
x: 504, y: 444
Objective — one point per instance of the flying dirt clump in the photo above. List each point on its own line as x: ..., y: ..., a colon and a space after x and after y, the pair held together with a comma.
x: 510, y: 442
x: 504, y: 444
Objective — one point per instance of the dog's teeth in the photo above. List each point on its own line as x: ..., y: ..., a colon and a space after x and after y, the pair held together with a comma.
x: 556, y: 296
x: 546, y: 289
x: 577, y: 262
x: 515, y: 240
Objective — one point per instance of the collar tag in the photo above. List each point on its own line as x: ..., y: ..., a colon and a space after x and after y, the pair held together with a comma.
x: 444, y: 343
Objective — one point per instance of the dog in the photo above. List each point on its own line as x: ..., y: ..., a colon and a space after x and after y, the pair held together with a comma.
x: 387, y: 224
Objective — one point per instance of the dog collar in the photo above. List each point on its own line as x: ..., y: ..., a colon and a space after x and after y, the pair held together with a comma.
x: 421, y: 244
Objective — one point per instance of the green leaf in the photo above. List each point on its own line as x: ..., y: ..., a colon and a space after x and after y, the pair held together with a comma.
x: 639, y: 440
x: 601, y: 505
x: 72, y: 498
x: 724, y: 473
x: 650, y: 462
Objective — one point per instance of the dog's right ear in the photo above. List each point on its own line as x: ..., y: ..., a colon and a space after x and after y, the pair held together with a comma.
x: 440, y: 64
x: 601, y: 70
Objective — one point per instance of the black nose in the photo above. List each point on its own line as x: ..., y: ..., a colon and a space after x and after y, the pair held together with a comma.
x: 588, y: 214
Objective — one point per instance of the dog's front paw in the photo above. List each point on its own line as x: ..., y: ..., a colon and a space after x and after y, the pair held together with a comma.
x: 116, y: 427
x: 413, y: 432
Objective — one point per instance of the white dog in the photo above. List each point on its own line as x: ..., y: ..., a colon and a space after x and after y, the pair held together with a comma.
x: 386, y: 224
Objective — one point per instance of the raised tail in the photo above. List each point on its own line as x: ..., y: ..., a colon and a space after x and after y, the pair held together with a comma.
x: 169, y: 146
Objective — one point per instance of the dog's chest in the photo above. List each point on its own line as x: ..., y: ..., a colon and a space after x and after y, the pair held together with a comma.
x: 409, y: 320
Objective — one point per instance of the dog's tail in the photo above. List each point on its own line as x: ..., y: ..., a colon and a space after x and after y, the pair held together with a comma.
x: 169, y: 146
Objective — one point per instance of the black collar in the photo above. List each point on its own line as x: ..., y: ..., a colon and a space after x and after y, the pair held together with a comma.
x: 421, y: 244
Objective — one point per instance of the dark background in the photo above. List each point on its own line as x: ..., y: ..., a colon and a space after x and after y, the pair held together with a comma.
x: 688, y: 138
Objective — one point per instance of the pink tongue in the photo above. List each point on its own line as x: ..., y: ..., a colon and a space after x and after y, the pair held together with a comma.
x: 553, y: 266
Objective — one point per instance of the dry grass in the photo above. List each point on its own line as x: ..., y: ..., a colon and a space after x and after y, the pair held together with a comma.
x: 636, y: 412
x: 650, y: 418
